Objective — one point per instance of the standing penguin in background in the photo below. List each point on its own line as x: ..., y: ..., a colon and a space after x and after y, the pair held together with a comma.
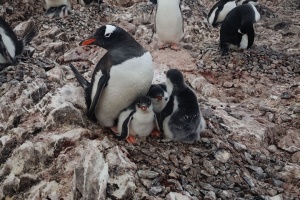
x: 253, y: 2
x: 181, y: 119
x: 159, y: 96
x: 168, y: 23
x: 122, y: 75
x: 219, y: 11
x: 237, y: 28
x: 10, y: 46
x: 55, y: 3
x: 137, y: 120
x: 88, y: 2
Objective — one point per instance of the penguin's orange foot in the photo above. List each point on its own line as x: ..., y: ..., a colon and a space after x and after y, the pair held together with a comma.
x: 114, y: 129
x: 130, y: 139
x: 163, y: 46
x: 155, y: 133
x: 175, y: 47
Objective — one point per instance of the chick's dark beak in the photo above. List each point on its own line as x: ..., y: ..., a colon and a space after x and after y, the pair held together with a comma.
x: 89, y: 41
x: 159, y: 98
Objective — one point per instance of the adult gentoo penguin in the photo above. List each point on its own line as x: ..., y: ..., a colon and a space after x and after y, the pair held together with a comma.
x: 122, y: 75
x: 55, y: 3
x: 10, y: 46
x: 181, y: 119
x: 168, y: 23
x: 137, y: 120
x: 253, y: 2
x: 219, y: 11
x: 159, y: 96
x: 237, y: 28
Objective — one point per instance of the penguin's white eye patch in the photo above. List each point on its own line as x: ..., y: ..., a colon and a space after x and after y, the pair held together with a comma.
x: 109, y: 29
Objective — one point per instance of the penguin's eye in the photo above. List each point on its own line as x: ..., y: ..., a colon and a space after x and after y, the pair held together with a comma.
x: 107, y: 34
x: 138, y: 105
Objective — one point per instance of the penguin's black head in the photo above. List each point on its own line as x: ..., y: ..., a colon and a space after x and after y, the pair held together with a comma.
x: 156, y: 92
x: 175, y: 81
x: 107, y: 37
x: 143, y: 103
x: 87, y: 2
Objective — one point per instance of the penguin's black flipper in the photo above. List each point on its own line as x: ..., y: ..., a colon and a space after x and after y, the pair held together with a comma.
x: 215, y: 24
x: 101, y: 84
x: 125, y: 127
x: 251, y: 35
x: 4, y: 52
x: 82, y: 81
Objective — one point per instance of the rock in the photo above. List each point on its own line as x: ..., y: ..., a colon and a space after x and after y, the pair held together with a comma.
x: 222, y: 156
x: 239, y: 147
x: 11, y: 185
x: 290, y: 142
x: 296, y: 157
x: 208, y: 166
x: 7, y: 149
x: 207, y: 89
x: 277, y: 197
x: 156, y: 190
x: 176, y: 196
x: 210, y: 196
x: 147, y: 174
x: 192, y: 190
x: 22, y: 28
x: 290, y: 172
x: 227, y: 84
x: 91, y: 174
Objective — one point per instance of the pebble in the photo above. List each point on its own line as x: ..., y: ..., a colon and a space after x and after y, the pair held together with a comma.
x: 222, y: 156
x: 147, y: 174
x: 211, y: 195
x: 239, y: 147
x: 156, y: 190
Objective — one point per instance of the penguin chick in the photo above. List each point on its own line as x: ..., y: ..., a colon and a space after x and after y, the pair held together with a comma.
x: 168, y: 23
x: 137, y: 120
x: 123, y: 74
x: 181, y: 119
x: 58, y: 12
x: 237, y: 28
x: 10, y: 46
x: 88, y: 2
x: 159, y: 96
x: 219, y: 11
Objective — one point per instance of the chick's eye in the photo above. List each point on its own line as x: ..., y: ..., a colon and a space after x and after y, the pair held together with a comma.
x: 138, y: 104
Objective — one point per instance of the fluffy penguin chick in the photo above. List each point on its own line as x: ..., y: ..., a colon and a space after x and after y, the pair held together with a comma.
x: 60, y: 11
x: 137, y: 120
x: 169, y: 23
x: 237, y: 28
x: 159, y: 96
x: 10, y: 46
x: 123, y: 74
x: 219, y: 11
x: 181, y: 119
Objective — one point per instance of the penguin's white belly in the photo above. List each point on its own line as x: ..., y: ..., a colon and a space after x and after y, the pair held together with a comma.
x: 257, y: 15
x: 226, y: 9
x: 142, y: 124
x: 244, y: 42
x: 168, y: 22
x: 56, y: 3
x: 9, y: 44
x: 128, y: 80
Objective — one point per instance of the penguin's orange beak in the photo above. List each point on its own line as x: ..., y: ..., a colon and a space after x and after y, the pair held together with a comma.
x: 88, y: 41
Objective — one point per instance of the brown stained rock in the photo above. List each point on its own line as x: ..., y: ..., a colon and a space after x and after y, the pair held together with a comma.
x: 7, y: 148
x: 290, y: 142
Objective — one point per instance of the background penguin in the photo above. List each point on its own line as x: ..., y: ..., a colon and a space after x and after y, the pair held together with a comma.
x: 10, y: 46
x: 137, y: 120
x: 237, y: 28
x: 159, y: 96
x: 123, y: 74
x: 219, y: 11
x: 168, y: 23
x: 60, y: 11
x: 181, y: 119
x: 57, y: 8
x: 253, y: 2
x: 88, y: 2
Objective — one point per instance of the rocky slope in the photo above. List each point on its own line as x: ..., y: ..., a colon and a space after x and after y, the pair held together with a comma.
x: 250, y: 100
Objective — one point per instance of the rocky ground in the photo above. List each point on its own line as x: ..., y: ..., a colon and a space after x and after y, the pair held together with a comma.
x: 250, y: 100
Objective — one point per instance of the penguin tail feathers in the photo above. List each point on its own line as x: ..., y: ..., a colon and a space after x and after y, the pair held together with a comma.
x: 32, y: 32
x: 82, y: 81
